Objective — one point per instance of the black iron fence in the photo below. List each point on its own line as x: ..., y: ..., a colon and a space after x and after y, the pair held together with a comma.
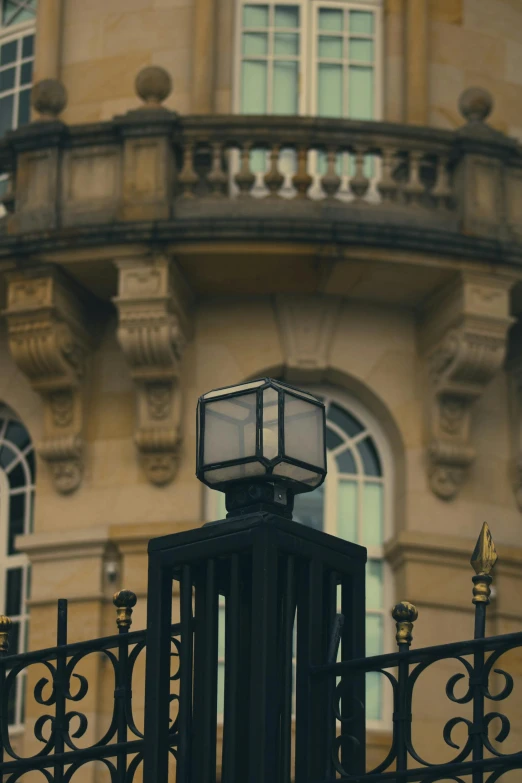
x: 273, y: 579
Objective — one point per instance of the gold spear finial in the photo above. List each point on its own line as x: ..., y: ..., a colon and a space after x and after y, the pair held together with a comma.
x: 484, y: 555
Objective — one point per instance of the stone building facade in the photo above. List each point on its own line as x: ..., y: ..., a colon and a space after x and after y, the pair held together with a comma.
x: 358, y: 234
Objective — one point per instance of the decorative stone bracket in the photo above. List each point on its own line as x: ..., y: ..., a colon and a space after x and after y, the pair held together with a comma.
x: 49, y: 341
x: 464, y: 343
x: 153, y: 303
x: 306, y: 325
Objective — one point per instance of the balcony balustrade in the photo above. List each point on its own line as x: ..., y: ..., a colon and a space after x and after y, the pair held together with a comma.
x: 154, y: 173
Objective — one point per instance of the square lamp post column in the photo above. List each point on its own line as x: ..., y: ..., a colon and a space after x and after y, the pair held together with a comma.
x: 275, y: 590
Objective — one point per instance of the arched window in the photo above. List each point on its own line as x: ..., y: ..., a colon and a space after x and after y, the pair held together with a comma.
x: 17, y: 476
x: 354, y: 503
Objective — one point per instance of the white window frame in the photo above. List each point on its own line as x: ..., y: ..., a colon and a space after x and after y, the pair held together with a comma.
x: 213, y: 504
x: 307, y: 97
x: 18, y: 559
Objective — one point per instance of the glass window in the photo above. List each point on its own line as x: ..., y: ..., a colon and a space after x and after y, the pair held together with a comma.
x: 17, y: 476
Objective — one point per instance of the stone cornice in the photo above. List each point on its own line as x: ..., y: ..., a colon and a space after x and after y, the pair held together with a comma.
x: 318, y: 229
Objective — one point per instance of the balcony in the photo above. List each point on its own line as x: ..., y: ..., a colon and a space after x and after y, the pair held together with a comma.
x: 283, y: 194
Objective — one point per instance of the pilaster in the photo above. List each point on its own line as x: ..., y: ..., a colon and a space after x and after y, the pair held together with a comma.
x: 154, y: 326
x: 463, y: 341
x: 49, y: 340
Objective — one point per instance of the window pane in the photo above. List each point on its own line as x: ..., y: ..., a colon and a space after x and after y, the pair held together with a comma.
x: 370, y: 458
x: 14, y: 639
x: 360, y: 93
x: 309, y: 508
x: 330, y: 19
x: 28, y: 46
x: 361, y: 22
x: 258, y: 161
x: 15, y: 12
x: 17, y: 477
x: 286, y: 43
x: 344, y: 420
x: 287, y: 16
x: 253, y: 88
x: 255, y: 43
x: 13, y: 601
x: 374, y: 584
x: 221, y: 632
x: 8, y: 53
x: 330, y: 46
x: 332, y: 438
x: 16, y: 520
x: 255, y: 16
x: 220, y: 688
x: 373, y: 696
x: 347, y: 510
x: 330, y: 90
x: 7, y: 456
x: 372, y: 515
x: 374, y: 634
x: 17, y: 434
x: 6, y: 114
x: 24, y: 107
x: 346, y: 462
x: 285, y: 88
x: 7, y: 79
x: 361, y: 49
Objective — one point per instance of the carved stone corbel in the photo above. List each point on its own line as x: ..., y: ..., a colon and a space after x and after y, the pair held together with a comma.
x: 306, y: 326
x: 464, y: 344
x: 154, y: 326
x: 50, y: 342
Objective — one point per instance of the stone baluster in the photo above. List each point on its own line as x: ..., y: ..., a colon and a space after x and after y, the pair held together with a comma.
x: 302, y: 179
x: 188, y: 179
x: 331, y: 181
x: 245, y: 178
x: 414, y: 190
x: 387, y: 186
x: 217, y: 179
x: 442, y: 192
x: 359, y: 183
x: 273, y: 179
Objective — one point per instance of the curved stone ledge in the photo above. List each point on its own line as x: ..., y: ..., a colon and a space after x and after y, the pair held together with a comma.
x: 317, y: 230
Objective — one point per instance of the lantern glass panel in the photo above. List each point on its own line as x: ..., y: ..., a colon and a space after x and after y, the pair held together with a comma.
x: 229, y: 429
x: 270, y: 423
x: 297, y: 473
x: 304, y: 431
x: 234, y: 472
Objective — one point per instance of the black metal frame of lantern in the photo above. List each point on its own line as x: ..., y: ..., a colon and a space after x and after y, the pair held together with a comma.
x: 266, y: 490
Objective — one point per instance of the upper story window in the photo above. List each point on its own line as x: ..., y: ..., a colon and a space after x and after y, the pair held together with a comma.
x: 312, y: 57
x: 17, y: 32
x: 17, y: 477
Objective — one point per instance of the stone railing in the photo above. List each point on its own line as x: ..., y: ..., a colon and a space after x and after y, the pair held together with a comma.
x: 151, y: 165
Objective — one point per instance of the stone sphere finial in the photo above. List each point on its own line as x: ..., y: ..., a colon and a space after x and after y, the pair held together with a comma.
x: 475, y: 104
x: 49, y: 98
x: 153, y: 85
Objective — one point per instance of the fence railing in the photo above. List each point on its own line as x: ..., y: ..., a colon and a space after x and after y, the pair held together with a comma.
x: 479, y: 755
x: 62, y: 733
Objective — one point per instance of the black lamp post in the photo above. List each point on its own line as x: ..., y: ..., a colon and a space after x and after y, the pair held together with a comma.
x: 261, y: 443
x: 265, y: 581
